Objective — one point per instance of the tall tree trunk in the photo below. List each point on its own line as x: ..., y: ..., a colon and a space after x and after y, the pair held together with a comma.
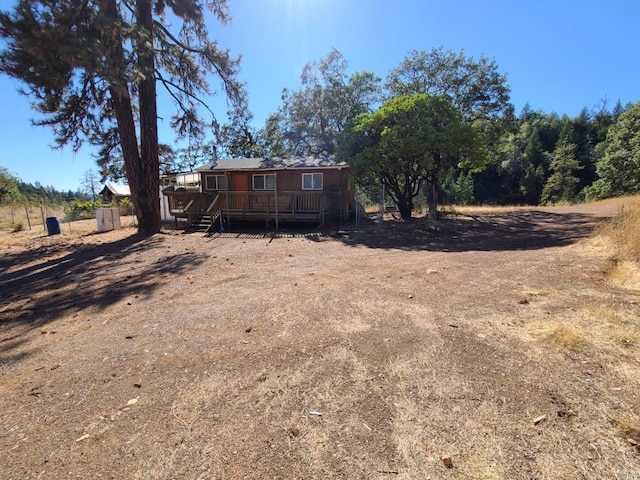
x: 141, y: 166
x: 121, y: 101
x: 148, y: 181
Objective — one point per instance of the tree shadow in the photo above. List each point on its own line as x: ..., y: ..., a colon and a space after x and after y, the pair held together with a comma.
x: 520, y: 230
x: 49, y: 288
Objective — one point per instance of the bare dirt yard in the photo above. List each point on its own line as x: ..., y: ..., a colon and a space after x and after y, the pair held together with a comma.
x: 488, y: 347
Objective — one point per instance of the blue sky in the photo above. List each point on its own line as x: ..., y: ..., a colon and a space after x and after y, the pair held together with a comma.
x: 559, y: 56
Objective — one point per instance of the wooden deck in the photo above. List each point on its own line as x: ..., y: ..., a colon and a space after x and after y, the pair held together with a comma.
x: 269, y: 206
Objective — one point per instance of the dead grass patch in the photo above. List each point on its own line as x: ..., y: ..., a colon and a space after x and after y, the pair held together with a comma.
x: 613, y: 332
x: 625, y: 274
x: 478, y: 209
x: 628, y: 428
x: 563, y: 334
x: 619, y: 238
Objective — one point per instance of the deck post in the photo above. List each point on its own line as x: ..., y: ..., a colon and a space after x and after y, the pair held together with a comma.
x: 226, y: 193
x: 275, y: 189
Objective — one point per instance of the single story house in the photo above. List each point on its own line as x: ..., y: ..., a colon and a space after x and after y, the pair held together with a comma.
x: 295, y: 189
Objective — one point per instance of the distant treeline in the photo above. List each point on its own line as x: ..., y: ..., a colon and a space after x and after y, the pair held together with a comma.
x: 546, y: 158
x: 15, y: 191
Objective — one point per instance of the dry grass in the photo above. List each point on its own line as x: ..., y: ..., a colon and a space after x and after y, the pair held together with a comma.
x: 563, y: 334
x: 410, y: 353
x: 35, y: 216
x: 479, y: 209
x: 609, y: 329
x: 619, y: 237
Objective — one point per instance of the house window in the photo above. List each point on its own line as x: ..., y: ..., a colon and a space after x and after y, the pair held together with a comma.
x: 312, y: 181
x: 264, y: 182
x: 216, y: 182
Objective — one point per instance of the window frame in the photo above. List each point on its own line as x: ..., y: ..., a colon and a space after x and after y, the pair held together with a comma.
x: 217, y: 182
x: 264, y: 181
x: 313, y: 176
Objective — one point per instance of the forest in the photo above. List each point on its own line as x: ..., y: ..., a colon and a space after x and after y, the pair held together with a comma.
x: 530, y: 158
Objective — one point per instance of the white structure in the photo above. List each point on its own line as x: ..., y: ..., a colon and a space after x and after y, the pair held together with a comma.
x: 108, y: 219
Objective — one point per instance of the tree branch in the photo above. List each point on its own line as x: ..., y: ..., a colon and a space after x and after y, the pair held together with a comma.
x: 168, y: 83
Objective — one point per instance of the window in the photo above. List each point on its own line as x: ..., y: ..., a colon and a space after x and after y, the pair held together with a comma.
x: 216, y: 182
x: 264, y: 182
x: 312, y: 181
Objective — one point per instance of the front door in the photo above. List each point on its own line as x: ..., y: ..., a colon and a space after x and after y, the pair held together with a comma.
x: 241, y: 184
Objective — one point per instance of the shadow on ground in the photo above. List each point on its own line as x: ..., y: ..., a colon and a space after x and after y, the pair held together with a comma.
x: 526, y: 230
x: 49, y: 288
x: 258, y: 230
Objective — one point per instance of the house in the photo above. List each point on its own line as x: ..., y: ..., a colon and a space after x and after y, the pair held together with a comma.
x: 112, y: 193
x: 294, y: 189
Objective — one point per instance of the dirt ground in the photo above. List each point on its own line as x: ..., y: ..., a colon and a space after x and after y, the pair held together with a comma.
x: 487, y: 347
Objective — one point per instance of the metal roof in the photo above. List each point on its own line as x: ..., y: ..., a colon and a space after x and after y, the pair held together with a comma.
x: 272, y: 163
x: 119, y: 190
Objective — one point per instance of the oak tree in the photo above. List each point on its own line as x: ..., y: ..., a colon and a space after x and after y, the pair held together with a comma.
x: 410, y: 139
x: 476, y: 87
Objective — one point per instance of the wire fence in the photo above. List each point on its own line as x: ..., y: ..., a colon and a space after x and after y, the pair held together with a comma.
x: 28, y: 217
x: 15, y: 218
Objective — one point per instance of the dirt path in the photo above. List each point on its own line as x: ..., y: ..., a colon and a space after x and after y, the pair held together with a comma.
x: 367, y: 353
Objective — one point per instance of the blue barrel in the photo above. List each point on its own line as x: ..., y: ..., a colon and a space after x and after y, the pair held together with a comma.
x: 53, y: 225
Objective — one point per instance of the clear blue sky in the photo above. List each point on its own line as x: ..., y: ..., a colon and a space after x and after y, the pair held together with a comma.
x: 559, y: 55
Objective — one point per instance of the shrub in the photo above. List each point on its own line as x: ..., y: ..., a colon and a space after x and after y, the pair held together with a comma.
x: 126, y: 206
x: 84, y: 209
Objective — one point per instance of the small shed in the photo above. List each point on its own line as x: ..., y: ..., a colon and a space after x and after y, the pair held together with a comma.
x: 113, y: 193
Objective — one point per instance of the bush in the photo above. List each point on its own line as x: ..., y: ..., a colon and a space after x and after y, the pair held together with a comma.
x: 78, y: 209
x: 17, y: 227
x: 126, y: 206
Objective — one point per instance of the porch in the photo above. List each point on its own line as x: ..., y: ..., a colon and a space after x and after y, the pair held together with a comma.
x: 270, y: 206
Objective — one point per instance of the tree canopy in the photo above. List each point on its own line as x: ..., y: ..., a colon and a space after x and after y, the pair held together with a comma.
x: 619, y: 168
x: 476, y: 87
x: 92, y: 67
x: 9, y: 191
x: 310, y: 119
x: 409, y: 140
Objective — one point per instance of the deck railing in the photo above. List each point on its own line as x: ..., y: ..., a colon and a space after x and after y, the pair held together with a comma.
x: 268, y: 204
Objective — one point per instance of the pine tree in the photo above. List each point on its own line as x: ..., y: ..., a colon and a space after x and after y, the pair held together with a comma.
x: 92, y: 67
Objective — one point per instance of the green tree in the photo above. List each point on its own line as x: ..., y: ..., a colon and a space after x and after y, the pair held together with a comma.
x: 310, y: 119
x: 477, y: 88
x: 92, y: 67
x: 532, y: 184
x: 562, y: 184
x: 525, y: 157
x: 458, y: 186
x: 9, y: 192
x: 407, y: 141
x: 619, y: 168
x: 238, y: 138
x: 273, y: 136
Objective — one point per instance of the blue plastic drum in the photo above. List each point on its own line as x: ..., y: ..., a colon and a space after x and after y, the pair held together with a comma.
x: 53, y: 225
